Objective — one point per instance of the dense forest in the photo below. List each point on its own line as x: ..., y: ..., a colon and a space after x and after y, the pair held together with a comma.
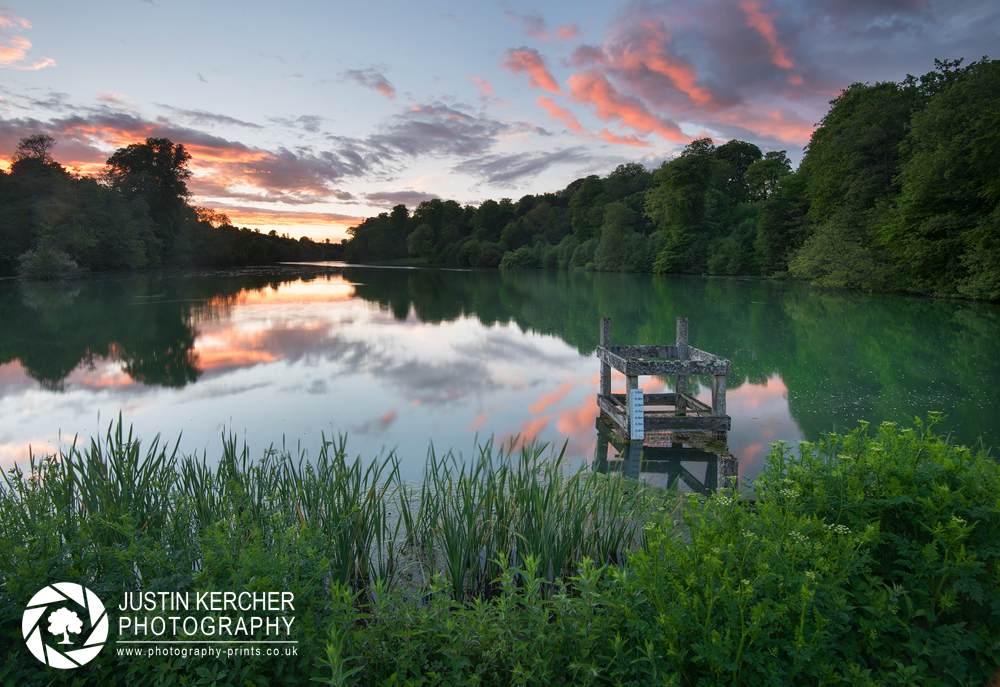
x: 898, y: 189
x: 137, y: 214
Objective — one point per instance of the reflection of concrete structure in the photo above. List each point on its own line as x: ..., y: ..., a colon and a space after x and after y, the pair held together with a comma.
x: 676, y: 411
x: 637, y: 457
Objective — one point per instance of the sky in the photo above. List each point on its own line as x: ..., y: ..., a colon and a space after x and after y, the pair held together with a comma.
x: 306, y: 117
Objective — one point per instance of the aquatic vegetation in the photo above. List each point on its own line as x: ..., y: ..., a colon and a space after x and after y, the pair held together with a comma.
x: 865, y: 559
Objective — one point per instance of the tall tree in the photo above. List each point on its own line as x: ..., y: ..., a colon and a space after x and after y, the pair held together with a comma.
x: 678, y: 206
x: 155, y: 172
x: 944, y: 231
x: 737, y: 157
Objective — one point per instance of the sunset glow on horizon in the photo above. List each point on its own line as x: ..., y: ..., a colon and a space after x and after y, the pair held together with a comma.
x: 309, y: 119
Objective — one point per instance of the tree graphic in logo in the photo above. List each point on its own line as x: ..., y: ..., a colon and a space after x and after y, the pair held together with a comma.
x: 64, y: 621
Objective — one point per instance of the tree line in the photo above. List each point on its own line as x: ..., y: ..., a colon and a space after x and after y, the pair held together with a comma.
x: 898, y: 189
x: 137, y: 214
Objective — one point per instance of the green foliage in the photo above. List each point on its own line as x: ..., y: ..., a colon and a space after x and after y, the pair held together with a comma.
x: 136, y: 216
x: 421, y: 241
x: 741, y: 595
x: 520, y: 259
x: 820, y: 581
x: 573, y: 635
x: 936, y: 542
x: 900, y: 184
x: 840, y: 254
x: 737, y: 158
x: 47, y: 263
x: 942, y: 232
x: 764, y: 175
x: 781, y: 224
x: 865, y: 560
x: 117, y: 518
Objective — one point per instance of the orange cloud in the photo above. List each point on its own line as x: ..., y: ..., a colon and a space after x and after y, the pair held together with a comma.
x: 764, y: 24
x: 577, y: 421
x: 13, y: 49
x: 754, y: 395
x: 549, y: 400
x: 332, y: 291
x: 528, y: 61
x: 559, y: 113
x: 530, y: 429
x: 245, y: 216
x: 222, y: 346
x: 629, y: 140
x: 591, y: 87
x: 102, y: 377
x: 228, y: 358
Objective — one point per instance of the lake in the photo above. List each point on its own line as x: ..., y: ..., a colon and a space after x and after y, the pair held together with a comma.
x: 400, y: 359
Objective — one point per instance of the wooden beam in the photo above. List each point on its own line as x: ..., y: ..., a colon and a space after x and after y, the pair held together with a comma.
x: 644, y: 351
x: 718, y: 395
x: 655, y: 423
x: 683, y: 353
x: 634, y: 367
x: 606, y: 343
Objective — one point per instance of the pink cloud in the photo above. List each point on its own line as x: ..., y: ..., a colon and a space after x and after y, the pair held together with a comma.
x: 568, y: 32
x: 13, y: 49
x: 593, y: 88
x: 484, y: 86
x: 549, y: 400
x: 629, y: 140
x: 577, y: 421
x: 781, y: 125
x: 530, y: 429
x: 535, y: 26
x: 528, y: 61
x: 479, y: 421
x: 647, y: 50
x: 373, y: 78
x: 559, y: 113
x: 764, y: 24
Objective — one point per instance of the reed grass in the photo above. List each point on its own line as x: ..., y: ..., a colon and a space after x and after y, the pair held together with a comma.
x: 464, y: 521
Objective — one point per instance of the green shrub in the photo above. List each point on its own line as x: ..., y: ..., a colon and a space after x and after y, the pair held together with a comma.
x: 937, y: 511
x: 745, y: 596
x: 46, y: 263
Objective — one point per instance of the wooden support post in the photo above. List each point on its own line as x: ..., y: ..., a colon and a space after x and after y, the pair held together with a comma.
x: 633, y: 460
x: 718, y: 395
x: 601, y: 453
x: 728, y: 471
x: 605, y: 368
x: 712, y: 475
x: 683, y: 353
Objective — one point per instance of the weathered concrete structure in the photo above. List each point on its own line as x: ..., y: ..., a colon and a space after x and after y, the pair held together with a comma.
x: 676, y: 411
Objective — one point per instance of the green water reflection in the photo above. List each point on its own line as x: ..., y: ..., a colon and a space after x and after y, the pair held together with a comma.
x: 842, y: 357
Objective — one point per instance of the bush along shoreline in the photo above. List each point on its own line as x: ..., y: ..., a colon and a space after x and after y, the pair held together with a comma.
x: 868, y: 558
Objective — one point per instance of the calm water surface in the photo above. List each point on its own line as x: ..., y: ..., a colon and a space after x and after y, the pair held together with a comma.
x: 398, y: 359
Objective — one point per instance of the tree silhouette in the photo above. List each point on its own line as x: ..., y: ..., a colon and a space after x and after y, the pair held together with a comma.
x: 65, y: 621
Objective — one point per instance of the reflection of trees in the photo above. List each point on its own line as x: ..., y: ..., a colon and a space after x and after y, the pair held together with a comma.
x: 146, y: 321
x: 844, y: 357
x: 51, y: 328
